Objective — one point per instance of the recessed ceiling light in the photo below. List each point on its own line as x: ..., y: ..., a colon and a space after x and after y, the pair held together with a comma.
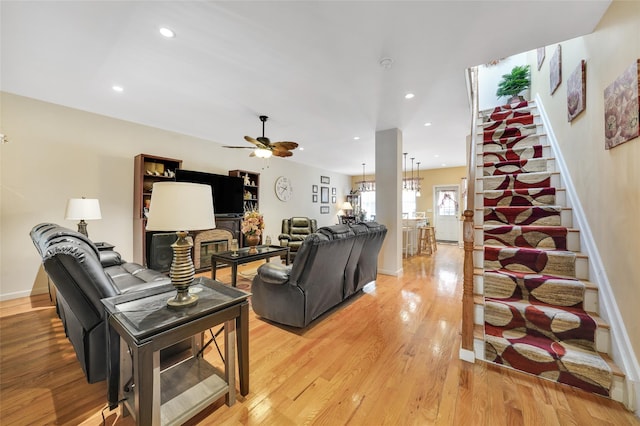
x: 167, y: 32
x: 437, y: 155
x: 444, y: 165
x: 356, y: 138
x: 301, y: 148
x: 427, y: 124
x: 117, y: 88
x: 386, y: 63
x: 409, y: 96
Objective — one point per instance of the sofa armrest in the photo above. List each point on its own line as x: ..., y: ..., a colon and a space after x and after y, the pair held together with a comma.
x: 284, y: 237
x: 274, y: 273
x: 110, y: 258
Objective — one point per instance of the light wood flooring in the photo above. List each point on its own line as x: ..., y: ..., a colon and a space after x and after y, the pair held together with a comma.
x: 389, y: 356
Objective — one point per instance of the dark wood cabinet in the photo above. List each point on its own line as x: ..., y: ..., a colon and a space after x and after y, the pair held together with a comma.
x: 148, y: 169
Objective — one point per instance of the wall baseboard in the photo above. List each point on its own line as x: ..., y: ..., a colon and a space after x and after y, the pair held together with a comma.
x: 19, y: 294
x: 621, y: 349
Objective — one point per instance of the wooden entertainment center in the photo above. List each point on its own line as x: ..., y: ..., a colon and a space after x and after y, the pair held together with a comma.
x: 149, y: 169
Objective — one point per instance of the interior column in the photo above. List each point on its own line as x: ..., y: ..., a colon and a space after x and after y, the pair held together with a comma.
x: 389, y: 198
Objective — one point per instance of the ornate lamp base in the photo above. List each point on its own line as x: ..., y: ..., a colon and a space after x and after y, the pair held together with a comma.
x: 182, y: 272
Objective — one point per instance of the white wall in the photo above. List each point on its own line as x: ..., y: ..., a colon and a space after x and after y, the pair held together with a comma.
x: 490, y: 75
x: 57, y: 153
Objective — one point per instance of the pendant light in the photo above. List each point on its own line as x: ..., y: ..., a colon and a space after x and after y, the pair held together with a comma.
x: 404, y: 178
x: 363, y: 185
x: 413, y: 186
x: 418, y: 192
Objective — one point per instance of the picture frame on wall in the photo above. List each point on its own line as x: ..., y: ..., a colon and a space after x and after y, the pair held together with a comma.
x: 577, y: 91
x: 324, y: 194
x: 622, y: 107
x: 555, y: 69
x: 541, y: 54
x: 314, y: 189
x: 333, y: 191
x: 333, y: 199
x: 314, y: 198
x: 325, y: 180
x: 324, y: 209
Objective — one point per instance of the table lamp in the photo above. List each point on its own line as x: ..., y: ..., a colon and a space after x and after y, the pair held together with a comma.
x: 83, y: 209
x: 181, y: 207
x: 348, y: 208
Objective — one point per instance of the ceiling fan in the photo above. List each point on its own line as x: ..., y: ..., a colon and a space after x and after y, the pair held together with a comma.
x: 265, y: 148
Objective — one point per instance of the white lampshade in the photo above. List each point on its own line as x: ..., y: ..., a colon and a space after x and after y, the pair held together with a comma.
x: 83, y: 209
x: 180, y: 206
x: 346, y: 206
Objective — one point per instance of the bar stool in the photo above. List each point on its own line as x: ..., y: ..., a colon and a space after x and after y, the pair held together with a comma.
x: 408, y: 237
x: 427, y: 240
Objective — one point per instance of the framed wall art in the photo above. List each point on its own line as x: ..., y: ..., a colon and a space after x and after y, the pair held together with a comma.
x: 555, y: 69
x: 324, y: 209
x: 622, y: 107
x: 314, y: 198
x: 325, y: 179
x: 333, y: 199
x: 324, y: 194
x: 577, y: 91
x: 314, y: 189
x: 333, y: 191
x: 541, y: 53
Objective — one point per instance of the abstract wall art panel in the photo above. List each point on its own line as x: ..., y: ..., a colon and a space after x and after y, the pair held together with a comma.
x: 555, y: 69
x: 621, y: 107
x: 541, y: 53
x: 577, y: 91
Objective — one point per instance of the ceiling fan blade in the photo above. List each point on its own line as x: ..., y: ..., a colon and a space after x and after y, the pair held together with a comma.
x: 282, y: 153
x: 255, y: 142
x: 238, y: 147
x: 284, y: 145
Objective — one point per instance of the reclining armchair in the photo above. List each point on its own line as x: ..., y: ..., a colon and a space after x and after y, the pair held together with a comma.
x: 294, y: 232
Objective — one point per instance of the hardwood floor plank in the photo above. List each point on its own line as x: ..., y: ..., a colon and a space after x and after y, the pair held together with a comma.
x: 387, y: 356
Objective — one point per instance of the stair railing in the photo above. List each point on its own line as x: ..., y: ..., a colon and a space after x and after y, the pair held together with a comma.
x: 467, y: 228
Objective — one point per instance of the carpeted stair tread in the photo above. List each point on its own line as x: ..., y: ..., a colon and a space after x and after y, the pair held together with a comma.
x: 523, y: 215
x: 504, y: 131
x: 521, y: 119
x: 527, y: 260
x: 558, y: 361
x: 520, y: 197
x: 505, y: 114
x: 570, y: 325
x: 514, y: 167
x: 519, y: 181
x: 512, y: 142
x: 510, y: 154
x: 520, y: 105
x: 541, y: 237
x: 536, y: 288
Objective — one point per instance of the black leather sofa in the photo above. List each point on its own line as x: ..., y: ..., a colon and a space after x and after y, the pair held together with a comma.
x: 332, y: 265
x: 82, y: 276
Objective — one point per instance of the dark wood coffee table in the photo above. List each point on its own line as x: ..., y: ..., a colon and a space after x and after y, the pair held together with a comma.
x: 243, y: 256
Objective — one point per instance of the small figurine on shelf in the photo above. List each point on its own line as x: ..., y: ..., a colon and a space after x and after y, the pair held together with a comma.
x: 246, y: 179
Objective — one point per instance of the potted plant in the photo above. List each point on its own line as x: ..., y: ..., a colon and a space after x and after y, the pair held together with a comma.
x: 512, y: 84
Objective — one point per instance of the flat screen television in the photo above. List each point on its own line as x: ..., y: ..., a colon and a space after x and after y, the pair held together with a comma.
x: 227, y: 191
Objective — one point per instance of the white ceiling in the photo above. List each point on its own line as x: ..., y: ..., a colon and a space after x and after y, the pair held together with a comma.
x: 312, y: 67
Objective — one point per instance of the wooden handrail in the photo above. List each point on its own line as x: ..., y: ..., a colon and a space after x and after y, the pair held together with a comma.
x: 468, y: 225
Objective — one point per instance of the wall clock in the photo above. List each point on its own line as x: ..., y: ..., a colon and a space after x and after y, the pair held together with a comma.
x: 283, y: 188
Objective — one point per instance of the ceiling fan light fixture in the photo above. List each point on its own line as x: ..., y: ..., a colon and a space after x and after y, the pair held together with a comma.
x: 262, y: 153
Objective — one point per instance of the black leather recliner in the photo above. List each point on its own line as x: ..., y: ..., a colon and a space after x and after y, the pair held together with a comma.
x: 331, y: 265
x: 83, y: 276
x: 294, y: 231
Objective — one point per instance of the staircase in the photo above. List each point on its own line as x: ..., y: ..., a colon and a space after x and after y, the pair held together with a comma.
x: 535, y: 309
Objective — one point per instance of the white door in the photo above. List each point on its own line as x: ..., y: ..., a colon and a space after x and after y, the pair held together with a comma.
x: 447, y: 211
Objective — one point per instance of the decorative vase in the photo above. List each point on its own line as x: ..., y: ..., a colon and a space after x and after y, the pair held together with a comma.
x: 252, y: 241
